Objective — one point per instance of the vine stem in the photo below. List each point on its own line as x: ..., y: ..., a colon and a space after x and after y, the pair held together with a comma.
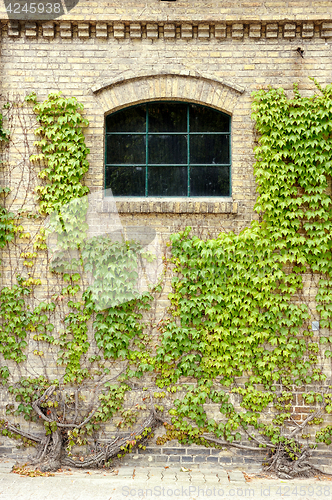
x: 26, y: 435
x: 37, y: 409
x: 114, y: 447
x: 42, y: 452
x: 307, y: 420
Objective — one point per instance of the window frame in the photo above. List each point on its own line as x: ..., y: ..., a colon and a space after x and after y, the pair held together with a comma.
x: 188, y: 134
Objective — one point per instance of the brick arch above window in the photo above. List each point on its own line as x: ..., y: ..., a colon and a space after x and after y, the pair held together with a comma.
x: 131, y: 88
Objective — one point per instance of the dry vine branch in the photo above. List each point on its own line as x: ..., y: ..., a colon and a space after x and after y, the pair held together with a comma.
x: 27, y: 435
x: 115, y: 446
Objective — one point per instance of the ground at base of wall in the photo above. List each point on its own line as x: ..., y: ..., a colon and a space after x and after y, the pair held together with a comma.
x: 156, y: 482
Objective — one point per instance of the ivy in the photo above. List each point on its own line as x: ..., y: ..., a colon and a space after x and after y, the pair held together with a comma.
x: 238, y: 304
x: 17, y: 320
x: 239, y: 334
x: 7, y: 226
x: 73, y: 343
x: 25, y: 392
x: 63, y: 149
x: 4, y: 133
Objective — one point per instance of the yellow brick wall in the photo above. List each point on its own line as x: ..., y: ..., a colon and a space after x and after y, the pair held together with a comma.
x: 114, y: 54
x: 107, y: 73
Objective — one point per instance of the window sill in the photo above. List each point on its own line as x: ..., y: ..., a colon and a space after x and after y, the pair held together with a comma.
x: 171, y: 205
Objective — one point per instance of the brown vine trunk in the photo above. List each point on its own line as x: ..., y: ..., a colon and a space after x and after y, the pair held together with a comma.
x: 51, y: 455
x: 49, y: 458
x: 113, y: 448
x: 286, y: 468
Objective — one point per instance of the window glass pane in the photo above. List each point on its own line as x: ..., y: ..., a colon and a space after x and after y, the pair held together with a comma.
x: 125, y: 149
x: 207, y: 120
x: 167, y: 163
x: 167, y: 181
x: 126, y: 181
x: 209, y: 148
x: 167, y: 117
x: 167, y: 149
x: 129, y: 120
x: 209, y: 181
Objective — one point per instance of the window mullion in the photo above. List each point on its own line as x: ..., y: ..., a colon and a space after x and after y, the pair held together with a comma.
x: 146, y: 150
x: 230, y: 158
x: 188, y: 152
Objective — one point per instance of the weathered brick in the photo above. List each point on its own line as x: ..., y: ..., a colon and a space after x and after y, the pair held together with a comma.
x: 126, y: 60
x: 172, y: 451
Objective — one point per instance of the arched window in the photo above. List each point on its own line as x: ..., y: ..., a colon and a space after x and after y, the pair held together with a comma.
x: 168, y: 149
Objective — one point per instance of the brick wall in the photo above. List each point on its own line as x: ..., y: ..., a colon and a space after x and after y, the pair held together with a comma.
x: 110, y: 55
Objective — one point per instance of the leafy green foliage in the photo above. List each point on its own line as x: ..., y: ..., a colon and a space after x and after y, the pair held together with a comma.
x: 114, y: 268
x: 116, y: 328
x: 25, y: 392
x: 17, y: 320
x: 239, y: 333
x: 7, y: 228
x: 63, y: 148
x: 73, y: 342
x: 4, y: 133
x: 238, y: 304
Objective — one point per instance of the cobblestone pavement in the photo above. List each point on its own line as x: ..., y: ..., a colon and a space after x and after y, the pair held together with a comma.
x: 157, y: 483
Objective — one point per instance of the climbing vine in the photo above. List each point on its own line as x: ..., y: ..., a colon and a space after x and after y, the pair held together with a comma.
x: 63, y: 148
x: 240, y: 303
x: 6, y: 218
x: 248, y: 328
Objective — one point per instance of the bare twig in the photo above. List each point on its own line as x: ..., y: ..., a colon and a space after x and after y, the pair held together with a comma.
x: 275, y: 458
x: 307, y: 420
x: 255, y: 439
x: 294, y: 421
x: 114, y: 447
x: 76, y: 406
x: 47, y: 394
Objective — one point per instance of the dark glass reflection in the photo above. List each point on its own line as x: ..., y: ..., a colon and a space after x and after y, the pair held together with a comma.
x: 167, y: 117
x: 207, y: 120
x: 125, y: 149
x: 208, y: 148
x: 209, y: 181
x: 167, y: 149
x: 126, y: 181
x: 128, y: 120
x: 167, y: 181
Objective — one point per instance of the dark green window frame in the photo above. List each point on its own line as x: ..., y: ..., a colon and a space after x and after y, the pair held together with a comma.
x: 143, y: 178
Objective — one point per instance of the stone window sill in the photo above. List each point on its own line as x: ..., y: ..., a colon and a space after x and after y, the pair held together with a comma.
x: 171, y: 205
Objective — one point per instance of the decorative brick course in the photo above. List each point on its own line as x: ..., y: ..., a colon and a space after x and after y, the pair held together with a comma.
x: 48, y: 30
x: 65, y: 29
x: 178, y: 30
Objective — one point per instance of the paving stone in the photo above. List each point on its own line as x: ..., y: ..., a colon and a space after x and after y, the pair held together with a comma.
x: 108, y: 486
x: 236, y: 476
x: 6, y: 465
x: 223, y: 476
